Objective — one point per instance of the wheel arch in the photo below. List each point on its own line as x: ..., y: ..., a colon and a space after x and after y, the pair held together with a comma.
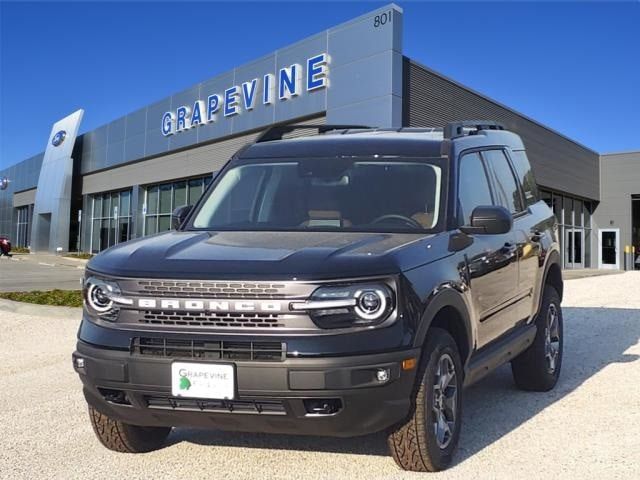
x: 448, y: 310
x: 553, y: 274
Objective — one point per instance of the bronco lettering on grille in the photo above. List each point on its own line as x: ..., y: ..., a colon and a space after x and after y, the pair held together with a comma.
x: 212, y: 306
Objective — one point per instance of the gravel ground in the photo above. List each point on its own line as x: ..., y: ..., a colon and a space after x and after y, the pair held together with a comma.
x: 588, y: 427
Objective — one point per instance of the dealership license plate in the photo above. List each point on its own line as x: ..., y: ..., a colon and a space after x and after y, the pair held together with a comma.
x: 202, y: 380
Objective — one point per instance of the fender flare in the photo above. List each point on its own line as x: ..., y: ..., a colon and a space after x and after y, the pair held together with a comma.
x: 447, y: 297
x: 552, y: 259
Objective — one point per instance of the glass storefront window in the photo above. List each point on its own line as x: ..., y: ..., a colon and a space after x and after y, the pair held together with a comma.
x: 111, y: 220
x: 577, y: 212
x: 195, y: 190
x: 152, y: 200
x: 106, y: 206
x: 22, y: 226
x: 163, y: 199
x: 574, y: 228
x: 567, y: 205
x: 587, y: 247
x: 97, y: 206
x: 125, y: 203
x: 151, y: 225
x: 179, y: 194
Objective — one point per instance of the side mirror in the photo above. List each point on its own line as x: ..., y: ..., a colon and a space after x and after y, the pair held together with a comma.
x: 489, y: 220
x: 179, y: 215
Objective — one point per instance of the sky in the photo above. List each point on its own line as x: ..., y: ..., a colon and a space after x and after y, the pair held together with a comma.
x: 572, y: 66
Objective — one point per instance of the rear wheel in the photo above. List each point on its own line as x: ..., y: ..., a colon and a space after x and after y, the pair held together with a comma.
x: 538, y: 367
x: 428, y: 439
x: 122, y: 437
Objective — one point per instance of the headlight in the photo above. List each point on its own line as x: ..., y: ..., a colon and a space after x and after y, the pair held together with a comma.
x: 102, y: 297
x: 348, y: 305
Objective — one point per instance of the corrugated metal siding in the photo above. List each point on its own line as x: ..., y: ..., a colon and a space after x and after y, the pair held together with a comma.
x: 187, y: 163
x: 431, y: 100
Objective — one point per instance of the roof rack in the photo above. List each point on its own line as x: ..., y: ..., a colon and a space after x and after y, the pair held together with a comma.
x: 278, y: 131
x: 470, y: 127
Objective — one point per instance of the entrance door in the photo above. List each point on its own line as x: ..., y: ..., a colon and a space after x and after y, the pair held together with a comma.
x: 608, y: 247
x: 573, y: 248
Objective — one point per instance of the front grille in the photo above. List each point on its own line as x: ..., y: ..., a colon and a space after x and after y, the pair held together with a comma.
x: 195, y: 289
x: 209, y: 350
x: 264, y: 407
x: 209, y: 319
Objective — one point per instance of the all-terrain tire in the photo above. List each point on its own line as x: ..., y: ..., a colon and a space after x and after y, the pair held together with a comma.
x: 125, y: 438
x: 533, y: 369
x: 414, y: 444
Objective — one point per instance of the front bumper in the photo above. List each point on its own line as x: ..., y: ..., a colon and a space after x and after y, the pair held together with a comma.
x: 270, y: 395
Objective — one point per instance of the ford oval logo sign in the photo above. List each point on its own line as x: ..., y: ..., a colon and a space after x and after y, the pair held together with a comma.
x: 4, y: 183
x: 58, y: 138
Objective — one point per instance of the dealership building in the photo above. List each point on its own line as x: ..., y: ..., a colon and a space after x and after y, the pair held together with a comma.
x: 122, y: 180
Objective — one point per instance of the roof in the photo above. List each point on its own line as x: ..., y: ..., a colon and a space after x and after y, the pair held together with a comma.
x: 354, y: 142
x: 345, y: 142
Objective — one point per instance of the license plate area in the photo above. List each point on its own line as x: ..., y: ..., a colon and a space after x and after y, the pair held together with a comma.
x: 203, y: 380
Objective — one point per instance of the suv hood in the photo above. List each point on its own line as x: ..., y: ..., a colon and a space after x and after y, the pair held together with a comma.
x: 274, y: 255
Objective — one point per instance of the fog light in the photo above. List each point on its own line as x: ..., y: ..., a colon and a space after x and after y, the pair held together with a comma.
x: 383, y: 375
x: 79, y: 362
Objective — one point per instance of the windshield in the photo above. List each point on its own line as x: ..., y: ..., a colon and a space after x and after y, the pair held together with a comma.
x: 319, y: 194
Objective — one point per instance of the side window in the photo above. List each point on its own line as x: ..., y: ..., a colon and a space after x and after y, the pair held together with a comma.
x: 505, y: 188
x: 473, y: 187
x: 525, y: 174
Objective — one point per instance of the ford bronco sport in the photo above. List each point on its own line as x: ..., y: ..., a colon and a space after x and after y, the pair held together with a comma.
x: 343, y: 283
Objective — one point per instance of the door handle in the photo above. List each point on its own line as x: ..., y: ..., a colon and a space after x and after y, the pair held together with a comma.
x: 536, y: 236
x: 508, y: 247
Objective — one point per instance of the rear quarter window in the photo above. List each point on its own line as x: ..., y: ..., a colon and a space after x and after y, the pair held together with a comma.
x: 525, y: 175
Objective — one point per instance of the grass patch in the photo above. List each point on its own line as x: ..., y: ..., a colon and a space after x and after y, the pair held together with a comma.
x: 83, y: 256
x: 60, y: 298
x: 19, y: 250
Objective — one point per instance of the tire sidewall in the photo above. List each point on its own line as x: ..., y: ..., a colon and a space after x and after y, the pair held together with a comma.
x: 436, y: 347
x: 550, y: 297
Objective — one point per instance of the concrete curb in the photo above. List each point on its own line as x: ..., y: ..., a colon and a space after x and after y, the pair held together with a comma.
x: 78, y: 260
x: 39, y: 310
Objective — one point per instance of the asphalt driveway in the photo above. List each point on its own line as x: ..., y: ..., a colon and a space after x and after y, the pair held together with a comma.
x: 39, y: 272
x: 587, y: 428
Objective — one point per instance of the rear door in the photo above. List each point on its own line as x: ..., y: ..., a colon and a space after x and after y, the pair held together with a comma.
x: 530, y: 226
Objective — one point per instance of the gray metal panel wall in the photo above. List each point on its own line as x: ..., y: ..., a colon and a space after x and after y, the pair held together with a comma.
x: 619, y: 180
x: 431, y: 100
x: 186, y: 163
x: 364, y: 74
x: 22, y: 176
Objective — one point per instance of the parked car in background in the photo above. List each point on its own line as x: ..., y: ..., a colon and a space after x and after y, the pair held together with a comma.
x: 5, y: 246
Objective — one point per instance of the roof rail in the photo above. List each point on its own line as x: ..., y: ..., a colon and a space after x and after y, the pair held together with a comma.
x: 278, y: 131
x: 470, y: 127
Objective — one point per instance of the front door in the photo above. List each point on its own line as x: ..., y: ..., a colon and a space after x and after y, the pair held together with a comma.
x: 493, y: 271
x: 608, y: 248
x: 573, y: 248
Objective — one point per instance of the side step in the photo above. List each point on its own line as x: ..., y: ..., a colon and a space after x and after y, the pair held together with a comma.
x: 502, y: 351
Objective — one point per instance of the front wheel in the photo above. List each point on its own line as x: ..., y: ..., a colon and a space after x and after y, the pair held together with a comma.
x: 538, y: 368
x: 126, y: 438
x: 429, y: 438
